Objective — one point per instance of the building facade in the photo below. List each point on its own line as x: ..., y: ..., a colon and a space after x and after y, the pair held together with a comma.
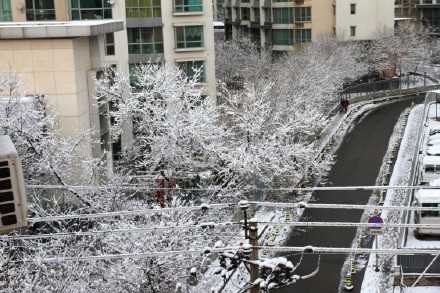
x: 364, y: 19
x: 428, y: 13
x: 180, y: 32
x: 282, y: 25
x: 60, y: 47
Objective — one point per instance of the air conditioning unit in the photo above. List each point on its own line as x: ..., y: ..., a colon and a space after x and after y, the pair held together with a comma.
x: 13, y: 206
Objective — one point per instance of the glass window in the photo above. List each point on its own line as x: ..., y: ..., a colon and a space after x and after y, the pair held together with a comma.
x: 5, y: 10
x: 303, y: 13
x: 145, y: 40
x: 430, y: 213
x: 109, y: 44
x: 189, y: 36
x: 191, y: 67
x: 143, y: 8
x: 188, y: 5
x: 303, y: 35
x: 282, y: 37
x: 352, y: 31
x: 352, y: 8
x: 90, y: 9
x: 282, y: 15
x: 40, y: 10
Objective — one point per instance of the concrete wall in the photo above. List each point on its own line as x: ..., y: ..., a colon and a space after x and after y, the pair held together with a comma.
x: 58, y: 69
x: 323, y: 19
x: 372, y: 17
x: 171, y: 20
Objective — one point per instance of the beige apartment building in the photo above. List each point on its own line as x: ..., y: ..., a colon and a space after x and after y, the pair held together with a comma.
x: 60, y: 47
x: 283, y: 25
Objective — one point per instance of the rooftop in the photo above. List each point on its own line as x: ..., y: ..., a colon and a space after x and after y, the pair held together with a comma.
x: 58, y: 29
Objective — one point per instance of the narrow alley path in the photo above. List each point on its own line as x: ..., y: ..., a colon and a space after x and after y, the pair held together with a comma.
x: 358, y: 161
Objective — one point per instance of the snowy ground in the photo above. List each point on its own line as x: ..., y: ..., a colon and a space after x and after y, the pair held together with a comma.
x: 376, y: 281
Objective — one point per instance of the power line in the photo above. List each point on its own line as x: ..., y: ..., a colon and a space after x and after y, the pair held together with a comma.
x: 349, y: 224
x: 351, y: 250
x: 212, y: 225
x: 341, y: 206
x: 129, y: 230
x: 58, y: 259
x: 304, y: 249
x: 128, y: 213
x: 225, y: 205
x: 290, y: 189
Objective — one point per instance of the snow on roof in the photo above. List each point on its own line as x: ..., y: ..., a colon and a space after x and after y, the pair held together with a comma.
x: 431, y: 160
x: 58, y: 29
x: 433, y: 150
x: 428, y: 195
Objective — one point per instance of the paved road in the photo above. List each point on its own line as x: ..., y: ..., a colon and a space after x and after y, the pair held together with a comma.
x: 358, y: 161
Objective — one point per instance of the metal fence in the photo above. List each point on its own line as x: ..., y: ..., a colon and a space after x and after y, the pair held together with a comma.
x: 408, y: 81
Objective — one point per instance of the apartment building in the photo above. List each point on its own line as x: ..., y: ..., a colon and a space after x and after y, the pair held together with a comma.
x: 364, y: 19
x: 283, y: 25
x: 60, y: 47
x: 405, y: 8
x: 428, y: 13
x: 173, y: 31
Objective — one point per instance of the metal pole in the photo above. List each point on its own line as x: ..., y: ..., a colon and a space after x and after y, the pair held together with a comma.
x: 424, y: 79
x: 377, y: 255
x: 253, y: 238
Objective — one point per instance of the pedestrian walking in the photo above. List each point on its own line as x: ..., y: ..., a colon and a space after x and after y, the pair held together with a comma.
x: 344, y: 105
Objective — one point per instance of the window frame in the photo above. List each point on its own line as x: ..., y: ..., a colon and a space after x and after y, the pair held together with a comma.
x: 108, y: 45
x: 105, y: 8
x: 153, y: 8
x: 184, y: 7
x: 5, y: 10
x: 40, y: 13
x: 353, y: 8
x: 156, y: 43
x: 185, y: 36
x: 190, y: 76
x: 352, y: 31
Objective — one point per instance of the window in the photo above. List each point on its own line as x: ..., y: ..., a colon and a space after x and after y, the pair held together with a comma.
x: 188, y: 5
x: 40, y: 10
x: 189, y: 37
x: 90, y: 9
x: 303, y: 35
x: 245, y: 13
x: 282, y: 15
x: 143, y: 8
x: 282, y: 37
x: 145, y: 40
x: 5, y: 10
x: 109, y: 44
x: 352, y: 8
x: 303, y: 13
x: 430, y: 213
x: 352, y: 31
x: 191, y: 67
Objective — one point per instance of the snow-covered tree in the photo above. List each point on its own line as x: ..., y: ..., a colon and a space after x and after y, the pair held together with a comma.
x: 405, y: 49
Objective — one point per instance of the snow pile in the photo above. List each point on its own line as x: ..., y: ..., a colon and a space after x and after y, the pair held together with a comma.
x: 382, y: 281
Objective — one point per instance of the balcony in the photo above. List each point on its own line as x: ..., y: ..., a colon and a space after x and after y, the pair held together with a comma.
x: 255, y: 3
